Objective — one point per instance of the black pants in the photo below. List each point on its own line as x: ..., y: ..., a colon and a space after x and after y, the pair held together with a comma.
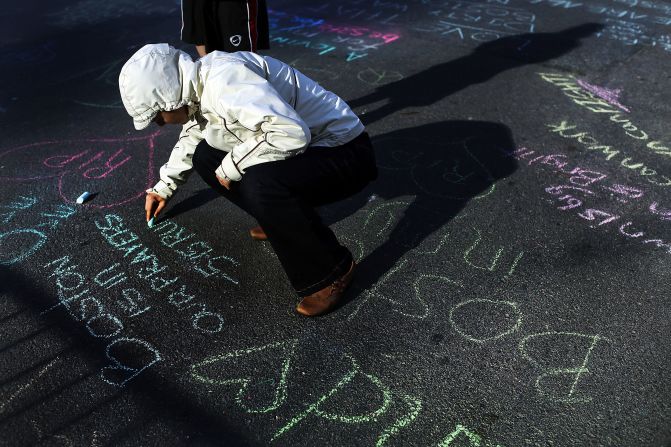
x: 282, y: 196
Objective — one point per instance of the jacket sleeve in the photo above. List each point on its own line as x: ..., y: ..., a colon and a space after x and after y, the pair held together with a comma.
x: 179, y: 166
x: 278, y: 131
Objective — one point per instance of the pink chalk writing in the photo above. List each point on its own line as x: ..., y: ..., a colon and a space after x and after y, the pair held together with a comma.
x: 664, y: 214
x: 583, y: 186
x: 312, y: 33
x: 96, y: 164
x: 358, y: 31
x: 60, y: 161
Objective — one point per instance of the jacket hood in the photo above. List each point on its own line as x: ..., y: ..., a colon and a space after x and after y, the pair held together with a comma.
x: 158, y: 78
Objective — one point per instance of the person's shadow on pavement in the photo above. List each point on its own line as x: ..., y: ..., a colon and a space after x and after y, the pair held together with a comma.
x: 427, y: 175
x: 486, y: 61
x: 434, y: 170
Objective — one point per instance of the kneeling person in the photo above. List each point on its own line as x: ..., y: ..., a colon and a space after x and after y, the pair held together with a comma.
x: 266, y: 137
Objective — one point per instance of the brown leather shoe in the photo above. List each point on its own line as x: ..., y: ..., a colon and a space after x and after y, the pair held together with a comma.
x: 327, y: 298
x: 258, y: 234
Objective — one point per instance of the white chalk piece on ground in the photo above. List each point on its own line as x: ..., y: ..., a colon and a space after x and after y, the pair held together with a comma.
x: 150, y: 222
x: 81, y: 199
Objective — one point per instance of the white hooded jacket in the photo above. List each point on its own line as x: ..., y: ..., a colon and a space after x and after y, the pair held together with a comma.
x: 256, y: 108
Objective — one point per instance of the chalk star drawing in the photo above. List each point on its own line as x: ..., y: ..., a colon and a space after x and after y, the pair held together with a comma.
x: 611, y: 96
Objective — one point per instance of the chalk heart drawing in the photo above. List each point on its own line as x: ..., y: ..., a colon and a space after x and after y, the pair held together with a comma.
x: 258, y: 393
x: 119, y: 170
x: 446, y: 170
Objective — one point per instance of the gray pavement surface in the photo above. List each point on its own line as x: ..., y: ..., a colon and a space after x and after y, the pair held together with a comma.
x: 513, y: 287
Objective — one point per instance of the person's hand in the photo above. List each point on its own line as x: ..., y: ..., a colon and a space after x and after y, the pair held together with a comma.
x: 153, y: 205
x: 226, y: 183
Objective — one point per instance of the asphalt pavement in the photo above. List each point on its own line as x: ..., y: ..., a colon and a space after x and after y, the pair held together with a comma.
x: 513, y: 280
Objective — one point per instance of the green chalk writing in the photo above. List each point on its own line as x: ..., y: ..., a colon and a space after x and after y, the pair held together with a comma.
x: 148, y: 267
x: 315, y: 407
x: 566, y: 340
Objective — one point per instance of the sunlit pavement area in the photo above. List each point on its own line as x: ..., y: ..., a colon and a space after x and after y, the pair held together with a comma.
x: 513, y: 278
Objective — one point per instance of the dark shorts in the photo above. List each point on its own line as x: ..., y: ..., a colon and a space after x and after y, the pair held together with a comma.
x: 226, y: 25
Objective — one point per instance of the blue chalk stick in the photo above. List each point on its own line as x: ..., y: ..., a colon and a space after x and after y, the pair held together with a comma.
x: 81, y: 199
x: 150, y: 222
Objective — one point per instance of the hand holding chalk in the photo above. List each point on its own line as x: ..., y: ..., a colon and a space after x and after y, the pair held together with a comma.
x: 153, y: 205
